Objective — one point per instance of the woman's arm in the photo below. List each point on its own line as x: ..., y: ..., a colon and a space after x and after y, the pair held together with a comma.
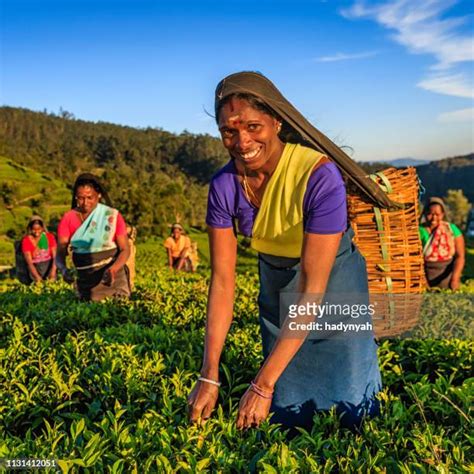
x: 223, y: 251
x: 459, y: 262
x: 317, y: 259
x: 124, y: 253
x: 52, y: 273
x: 170, y: 258
x: 187, y: 246
x: 61, y: 254
x: 183, y: 255
x: 31, y: 266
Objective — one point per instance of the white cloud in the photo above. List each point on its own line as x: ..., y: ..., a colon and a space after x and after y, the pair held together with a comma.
x: 462, y: 115
x: 450, y: 84
x: 346, y: 56
x: 419, y: 26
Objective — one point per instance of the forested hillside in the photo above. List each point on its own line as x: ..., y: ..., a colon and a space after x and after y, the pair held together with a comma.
x: 153, y: 176
x: 438, y: 176
x: 24, y: 191
x: 450, y: 173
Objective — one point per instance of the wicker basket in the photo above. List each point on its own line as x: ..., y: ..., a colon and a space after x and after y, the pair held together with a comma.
x: 390, y: 243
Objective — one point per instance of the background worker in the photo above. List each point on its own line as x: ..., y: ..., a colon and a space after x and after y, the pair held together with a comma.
x: 39, y: 252
x: 178, y: 246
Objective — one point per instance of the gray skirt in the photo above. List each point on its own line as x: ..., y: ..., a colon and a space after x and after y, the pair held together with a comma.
x: 325, y: 373
x: 91, y: 284
x: 439, y: 274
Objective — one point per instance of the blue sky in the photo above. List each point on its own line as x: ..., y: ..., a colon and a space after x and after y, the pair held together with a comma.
x: 390, y: 79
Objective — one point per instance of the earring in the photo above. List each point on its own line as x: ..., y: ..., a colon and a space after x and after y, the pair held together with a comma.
x: 279, y: 127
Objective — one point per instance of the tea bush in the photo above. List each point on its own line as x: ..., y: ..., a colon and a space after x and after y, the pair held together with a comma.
x: 102, y: 387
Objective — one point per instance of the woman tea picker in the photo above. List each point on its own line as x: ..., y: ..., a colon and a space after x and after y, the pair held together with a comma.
x: 443, y: 247
x: 39, y: 252
x: 97, y: 235
x: 291, y: 200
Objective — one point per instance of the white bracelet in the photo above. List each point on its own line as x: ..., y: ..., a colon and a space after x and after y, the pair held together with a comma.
x: 213, y: 382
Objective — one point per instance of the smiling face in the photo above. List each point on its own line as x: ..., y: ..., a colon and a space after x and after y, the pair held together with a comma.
x: 87, y: 199
x: 250, y: 136
x: 434, y: 215
x: 36, y: 230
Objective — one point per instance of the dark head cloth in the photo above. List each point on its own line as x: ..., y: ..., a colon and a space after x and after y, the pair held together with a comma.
x: 261, y: 87
x: 89, y: 179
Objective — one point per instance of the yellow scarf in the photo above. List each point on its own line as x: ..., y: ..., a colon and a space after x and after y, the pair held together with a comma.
x: 278, y: 227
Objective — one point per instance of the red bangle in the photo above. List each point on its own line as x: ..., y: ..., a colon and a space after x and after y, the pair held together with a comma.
x: 259, y: 391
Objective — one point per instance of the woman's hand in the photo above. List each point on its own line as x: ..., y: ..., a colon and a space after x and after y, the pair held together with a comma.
x: 253, y: 409
x: 37, y: 278
x: 109, y: 275
x: 455, y: 283
x: 61, y: 253
x: 201, y: 401
x: 459, y: 262
x: 52, y: 274
x: 68, y: 276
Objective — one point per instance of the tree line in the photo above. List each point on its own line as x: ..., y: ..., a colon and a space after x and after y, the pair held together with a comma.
x: 152, y: 176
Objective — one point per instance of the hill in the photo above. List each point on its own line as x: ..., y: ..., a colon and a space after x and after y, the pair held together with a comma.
x: 402, y: 162
x: 153, y: 176
x: 23, y: 192
x: 450, y: 173
x: 438, y: 176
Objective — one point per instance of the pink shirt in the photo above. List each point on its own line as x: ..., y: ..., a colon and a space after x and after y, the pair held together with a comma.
x: 71, y: 221
x: 38, y: 255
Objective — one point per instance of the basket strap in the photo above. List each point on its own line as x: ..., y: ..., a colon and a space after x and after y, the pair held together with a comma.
x: 373, y: 177
x: 383, y: 245
x: 385, y: 181
x: 385, y: 268
x: 387, y: 187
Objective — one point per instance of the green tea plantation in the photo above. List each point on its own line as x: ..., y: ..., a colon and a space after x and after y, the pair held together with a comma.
x: 102, y: 387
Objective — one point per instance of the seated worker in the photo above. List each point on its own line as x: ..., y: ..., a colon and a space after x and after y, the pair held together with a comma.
x: 178, y: 246
x: 443, y: 247
x: 39, y: 252
x: 97, y: 235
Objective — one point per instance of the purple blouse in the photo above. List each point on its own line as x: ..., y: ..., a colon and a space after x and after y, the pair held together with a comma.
x: 324, y: 204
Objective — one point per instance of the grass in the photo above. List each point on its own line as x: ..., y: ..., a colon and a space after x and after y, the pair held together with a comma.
x: 7, y: 256
x: 29, y: 182
x: 33, y: 193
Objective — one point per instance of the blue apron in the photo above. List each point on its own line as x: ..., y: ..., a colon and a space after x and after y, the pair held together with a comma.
x: 334, y: 372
